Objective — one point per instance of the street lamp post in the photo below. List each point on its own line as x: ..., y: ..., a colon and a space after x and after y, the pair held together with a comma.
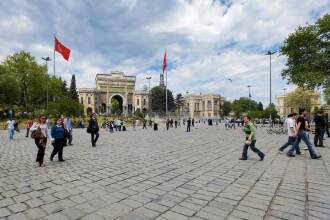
x: 249, y: 86
x: 270, y: 53
x: 46, y: 59
x: 149, y: 99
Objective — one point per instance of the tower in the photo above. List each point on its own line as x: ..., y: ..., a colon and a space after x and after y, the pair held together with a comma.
x: 161, y: 80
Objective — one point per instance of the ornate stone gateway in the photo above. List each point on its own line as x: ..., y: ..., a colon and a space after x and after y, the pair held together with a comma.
x: 114, y: 94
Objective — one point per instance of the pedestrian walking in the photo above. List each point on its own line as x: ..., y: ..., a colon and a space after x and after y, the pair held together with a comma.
x: 58, y: 140
x: 144, y: 124
x: 69, y: 127
x: 319, y: 129
x: 40, y: 134
x: 176, y: 123
x: 29, y: 124
x: 93, y: 129
x: 301, y: 132
x: 167, y: 123
x: 326, y: 121
x: 193, y: 122
x: 290, y: 127
x: 250, y: 139
x: 11, y: 128
x: 188, y: 125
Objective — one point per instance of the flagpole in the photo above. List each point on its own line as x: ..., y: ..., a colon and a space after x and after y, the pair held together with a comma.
x: 54, y: 55
x: 166, y: 90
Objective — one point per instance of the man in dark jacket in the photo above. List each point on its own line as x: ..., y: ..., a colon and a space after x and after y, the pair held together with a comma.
x: 93, y: 128
x: 319, y: 129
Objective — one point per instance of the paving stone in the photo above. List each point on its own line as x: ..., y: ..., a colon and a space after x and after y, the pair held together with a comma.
x: 146, y: 174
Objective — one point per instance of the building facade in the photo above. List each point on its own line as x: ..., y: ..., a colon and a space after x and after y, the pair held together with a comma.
x: 114, y: 94
x: 201, y: 106
x: 283, y: 110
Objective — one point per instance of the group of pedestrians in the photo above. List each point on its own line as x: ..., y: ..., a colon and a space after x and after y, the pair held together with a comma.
x: 297, y: 130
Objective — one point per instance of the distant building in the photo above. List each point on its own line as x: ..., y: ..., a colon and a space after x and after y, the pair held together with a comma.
x: 114, y: 86
x: 201, y: 106
x: 284, y: 110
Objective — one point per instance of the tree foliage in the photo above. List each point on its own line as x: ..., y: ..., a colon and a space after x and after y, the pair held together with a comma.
x: 308, y: 53
x: 227, y: 108
x: 243, y: 105
x: 23, y: 86
x: 158, y: 101
x: 299, y: 98
x: 73, y: 89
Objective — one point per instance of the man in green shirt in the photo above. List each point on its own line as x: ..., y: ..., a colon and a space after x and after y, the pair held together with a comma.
x: 250, y: 139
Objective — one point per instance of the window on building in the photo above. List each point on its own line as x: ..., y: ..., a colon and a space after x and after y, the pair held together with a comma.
x: 138, y: 102
x: 81, y: 100
x: 144, y: 101
x: 89, y: 100
x: 209, y: 105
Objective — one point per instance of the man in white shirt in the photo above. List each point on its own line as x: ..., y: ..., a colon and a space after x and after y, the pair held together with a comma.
x: 290, y: 124
x: 11, y: 128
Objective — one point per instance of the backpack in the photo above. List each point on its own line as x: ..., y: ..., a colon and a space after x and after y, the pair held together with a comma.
x: 37, y: 134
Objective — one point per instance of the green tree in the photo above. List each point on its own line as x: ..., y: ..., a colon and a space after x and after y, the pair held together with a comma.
x: 158, y: 103
x: 270, y: 110
x: 115, y: 106
x: 243, y: 105
x: 308, y: 53
x: 260, y: 106
x: 73, y: 89
x: 299, y: 98
x: 9, y: 88
x: 178, y: 100
x: 227, y: 108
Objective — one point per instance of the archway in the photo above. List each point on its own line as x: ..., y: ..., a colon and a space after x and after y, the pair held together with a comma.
x: 103, y: 108
x: 89, y: 111
x: 117, y: 105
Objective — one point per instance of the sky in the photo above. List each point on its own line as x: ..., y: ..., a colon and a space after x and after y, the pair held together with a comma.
x: 207, y: 41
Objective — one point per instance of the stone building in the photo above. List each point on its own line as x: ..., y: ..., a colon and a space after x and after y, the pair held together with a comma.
x: 283, y: 110
x: 112, y: 89
x: 201, y: 106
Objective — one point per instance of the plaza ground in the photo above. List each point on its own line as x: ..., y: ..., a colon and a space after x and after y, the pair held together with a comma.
x: 139, y: 175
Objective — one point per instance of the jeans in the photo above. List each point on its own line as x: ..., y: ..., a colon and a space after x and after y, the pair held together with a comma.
x: 94, y: 137
x: 302, y: 135
x: 11, y: 134
x: 290, y: 141
x: 253, y: 148
x: 318, y: 138
x: 70, y: 137
x: 188, y: 128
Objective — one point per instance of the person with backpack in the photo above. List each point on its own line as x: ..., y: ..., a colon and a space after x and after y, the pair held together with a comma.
x: 39, y: 132
x: 58, y: 140
x: 250, y: 139
x: 93, y: 129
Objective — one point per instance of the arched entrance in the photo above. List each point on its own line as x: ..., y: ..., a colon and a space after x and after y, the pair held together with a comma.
x: 89, y: 111
x: 116, y: 105
x: 103, y: 108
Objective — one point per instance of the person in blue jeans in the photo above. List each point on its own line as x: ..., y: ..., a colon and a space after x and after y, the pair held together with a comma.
x: 290, y: 126
x: 301, y: 133
x: 11, y: 128
x: 250, y: 139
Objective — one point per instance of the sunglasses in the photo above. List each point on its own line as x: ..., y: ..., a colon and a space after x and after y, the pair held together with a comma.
x: 43, y: 118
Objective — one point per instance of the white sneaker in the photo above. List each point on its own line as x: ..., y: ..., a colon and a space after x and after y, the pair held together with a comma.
x: 305, y: 148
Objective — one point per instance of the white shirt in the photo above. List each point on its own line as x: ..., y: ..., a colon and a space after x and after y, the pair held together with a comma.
x: 291, y: 123
x: 44, y: 128
x: 11, y: 124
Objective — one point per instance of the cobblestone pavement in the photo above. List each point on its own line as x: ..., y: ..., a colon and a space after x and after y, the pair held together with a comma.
x: 138, y: 175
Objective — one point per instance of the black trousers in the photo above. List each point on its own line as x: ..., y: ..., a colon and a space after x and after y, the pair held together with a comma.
x: 27, y: 132
x: 188, y: 128
x: 318, y: 138
x: 58, y: 148
x: 94, y: 137
x: 41, y: 145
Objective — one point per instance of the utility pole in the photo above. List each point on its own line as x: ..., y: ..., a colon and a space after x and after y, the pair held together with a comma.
x: 270, y: 53
x: 149, y: 99
x: 249, y: 86
x: 46, y: 59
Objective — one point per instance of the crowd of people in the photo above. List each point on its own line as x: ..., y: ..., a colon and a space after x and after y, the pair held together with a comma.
x: 61, y: 133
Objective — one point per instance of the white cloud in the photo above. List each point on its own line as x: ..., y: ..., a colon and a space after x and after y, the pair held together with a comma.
x: 206, y: 41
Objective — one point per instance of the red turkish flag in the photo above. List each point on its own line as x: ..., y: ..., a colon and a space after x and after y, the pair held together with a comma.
x: 64, y: 51
x: 164, y: 62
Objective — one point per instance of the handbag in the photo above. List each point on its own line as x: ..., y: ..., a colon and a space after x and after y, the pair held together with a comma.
x: 89, y: 130
x: 36, y: 134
